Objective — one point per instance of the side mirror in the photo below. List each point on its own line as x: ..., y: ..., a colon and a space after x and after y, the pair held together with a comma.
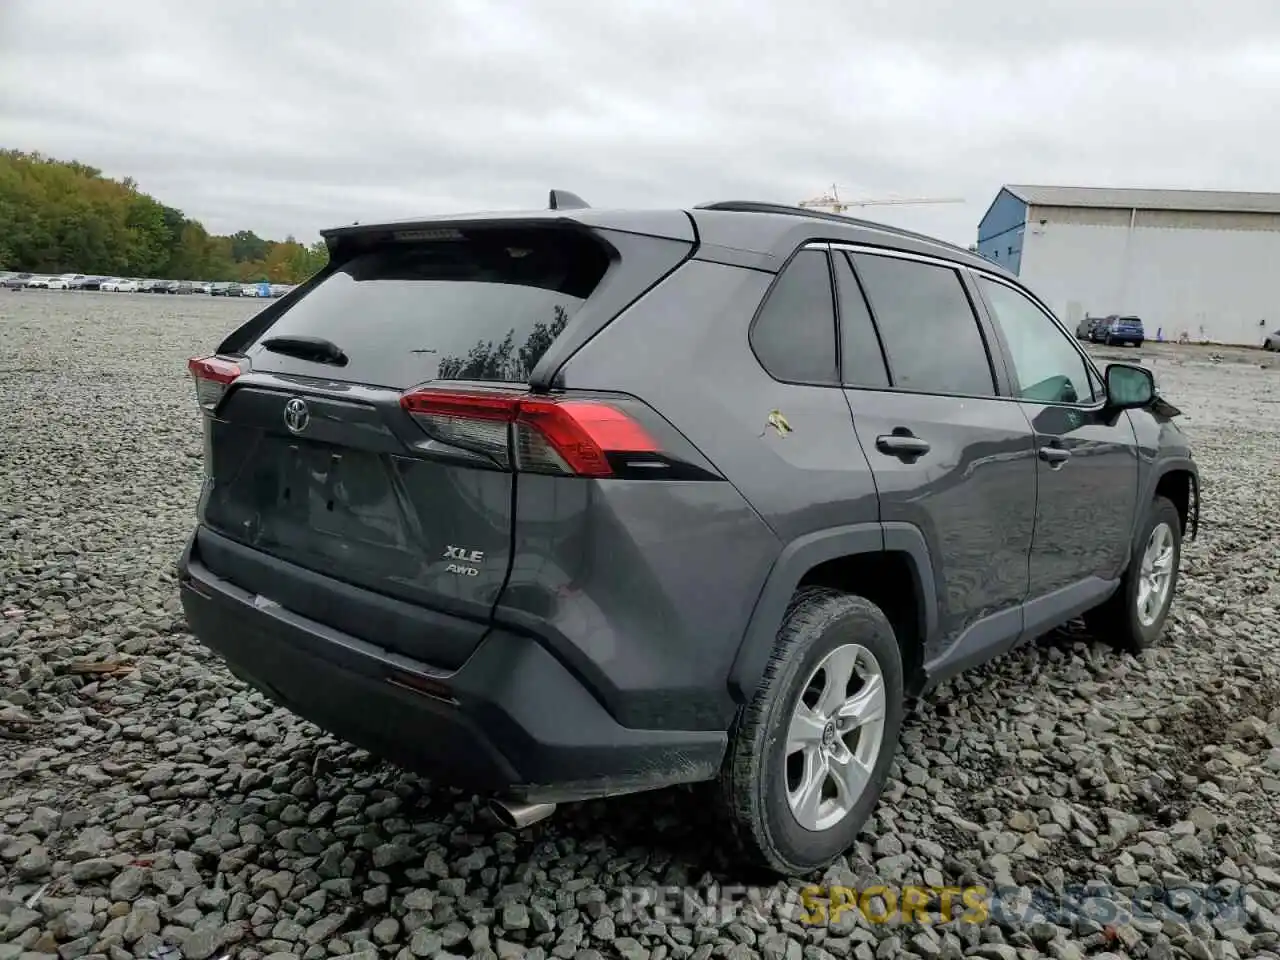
x: 1129, y: 386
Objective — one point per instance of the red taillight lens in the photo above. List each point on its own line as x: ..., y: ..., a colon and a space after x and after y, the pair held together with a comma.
x: 535, y: 434
x: 212, y: 376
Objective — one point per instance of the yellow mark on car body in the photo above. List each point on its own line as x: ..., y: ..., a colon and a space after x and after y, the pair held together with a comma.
x: 779, y: 422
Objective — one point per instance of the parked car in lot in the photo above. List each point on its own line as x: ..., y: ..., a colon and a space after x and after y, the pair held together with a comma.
x: 40, y: 283
x: 120, y: 285
x: 15, y: 281
x: 1272, y: 341
x: 809, y: 512
x: 1119, y: 330
x: 93, y: 283
x: 199, y: 286
x: 1084, y: 329
x: 233, y: 290
x: 218, y: 289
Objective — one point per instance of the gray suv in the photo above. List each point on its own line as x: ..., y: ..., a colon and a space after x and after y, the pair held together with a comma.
x: 573, y: 503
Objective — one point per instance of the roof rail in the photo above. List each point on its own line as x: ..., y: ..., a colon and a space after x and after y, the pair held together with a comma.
x: 758, y: 206
x: 564, y: 200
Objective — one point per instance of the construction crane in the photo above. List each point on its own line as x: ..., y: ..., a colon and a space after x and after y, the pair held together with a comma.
x: 831, y: 201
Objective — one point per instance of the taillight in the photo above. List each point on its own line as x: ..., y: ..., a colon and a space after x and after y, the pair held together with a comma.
x: 534, y: 434
x: 212, y: 376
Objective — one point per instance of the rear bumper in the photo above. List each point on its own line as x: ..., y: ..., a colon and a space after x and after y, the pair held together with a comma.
x: 511, y: 720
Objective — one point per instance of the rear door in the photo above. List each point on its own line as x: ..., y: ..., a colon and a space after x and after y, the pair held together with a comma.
x: 1087, y: 455
x: 316, y: 458
x: 950, y: 455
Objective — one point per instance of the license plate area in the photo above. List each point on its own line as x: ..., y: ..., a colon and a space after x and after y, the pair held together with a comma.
x: 343, y: 494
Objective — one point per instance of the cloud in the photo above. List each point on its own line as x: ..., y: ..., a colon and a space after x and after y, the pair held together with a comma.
x: 291, y: 116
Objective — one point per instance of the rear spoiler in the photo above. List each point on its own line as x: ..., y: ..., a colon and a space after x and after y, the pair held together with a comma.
x: 563, y: 209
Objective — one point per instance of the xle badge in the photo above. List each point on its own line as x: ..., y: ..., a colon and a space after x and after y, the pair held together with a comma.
x: 778, y: 422
x: 467, y: 557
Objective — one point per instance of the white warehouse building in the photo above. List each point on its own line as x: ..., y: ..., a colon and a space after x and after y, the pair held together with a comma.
x: 1201, y: 263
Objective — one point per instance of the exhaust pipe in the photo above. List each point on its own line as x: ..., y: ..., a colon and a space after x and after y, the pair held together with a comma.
x: 517, y: 816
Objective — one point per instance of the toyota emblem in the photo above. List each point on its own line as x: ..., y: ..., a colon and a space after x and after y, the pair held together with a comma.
x: 296, y: 415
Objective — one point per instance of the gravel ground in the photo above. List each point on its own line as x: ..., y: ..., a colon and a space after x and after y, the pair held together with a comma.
x: 151, y: 802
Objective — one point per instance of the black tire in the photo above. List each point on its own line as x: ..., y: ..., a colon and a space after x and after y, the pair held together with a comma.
x: 753, y: 784
x: 1116, y: 621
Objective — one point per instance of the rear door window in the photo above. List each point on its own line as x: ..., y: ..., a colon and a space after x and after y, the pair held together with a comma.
x: 486, y: 307
x: 930, y: 332
x: 862, y: 360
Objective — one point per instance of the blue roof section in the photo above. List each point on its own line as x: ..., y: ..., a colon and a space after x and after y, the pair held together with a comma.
x: 1007, y: 211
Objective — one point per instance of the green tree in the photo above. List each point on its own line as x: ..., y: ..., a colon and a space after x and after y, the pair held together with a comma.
x: 247, y: 246
x: 60, y: 216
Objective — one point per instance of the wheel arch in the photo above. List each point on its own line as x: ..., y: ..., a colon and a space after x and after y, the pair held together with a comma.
x: 888, y: 563
x: 1177, y: 479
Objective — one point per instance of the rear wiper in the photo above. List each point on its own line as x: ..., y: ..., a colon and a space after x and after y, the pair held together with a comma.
x: 316, y: 349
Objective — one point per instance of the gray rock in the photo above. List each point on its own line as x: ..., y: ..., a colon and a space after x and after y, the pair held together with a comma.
x: 92, y: 842
x: 386, y: 930
x: 33, y: 865
x: 420, y: 899
x: 20, y: 920
x: 202, y: 944
x: 128, y: 883
x: 88, y: 870
x: 75, y: 924
x: 515, y: 916
x: 325, y: 927
x: 143, y: 919
x: 630, y: 949
x: 75, y: 948
x: 425, y: 942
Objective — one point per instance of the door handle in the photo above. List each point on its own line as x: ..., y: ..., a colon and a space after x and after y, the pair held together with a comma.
x: 902, y: 445
x: 1055, y: 456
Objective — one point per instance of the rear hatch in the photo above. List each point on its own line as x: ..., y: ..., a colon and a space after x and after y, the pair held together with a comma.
x: 1128, y: 327
x: 365, y: 434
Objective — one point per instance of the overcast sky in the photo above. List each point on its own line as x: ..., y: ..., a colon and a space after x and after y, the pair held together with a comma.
x: 285, y: 117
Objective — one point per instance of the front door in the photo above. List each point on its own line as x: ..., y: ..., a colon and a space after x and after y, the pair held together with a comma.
x: 1087, y: 454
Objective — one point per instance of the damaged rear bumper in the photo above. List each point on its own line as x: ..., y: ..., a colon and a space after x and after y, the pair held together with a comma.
x: 512, y: 720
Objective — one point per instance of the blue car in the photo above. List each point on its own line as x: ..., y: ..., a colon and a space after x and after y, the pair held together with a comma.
x: 1119, y: 330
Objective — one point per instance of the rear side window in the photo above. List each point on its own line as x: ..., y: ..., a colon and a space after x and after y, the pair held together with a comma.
x: 485, y: 307
x: 928, y: 326
x: 794, y: 337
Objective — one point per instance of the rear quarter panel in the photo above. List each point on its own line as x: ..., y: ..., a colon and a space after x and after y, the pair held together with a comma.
x: 684, y: 350
x: 650, y: 585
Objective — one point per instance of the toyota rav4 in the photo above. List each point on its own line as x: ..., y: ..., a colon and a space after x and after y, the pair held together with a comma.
x: 573, y: 503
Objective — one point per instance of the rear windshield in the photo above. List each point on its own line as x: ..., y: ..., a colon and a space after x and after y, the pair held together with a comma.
x: 483, y: 307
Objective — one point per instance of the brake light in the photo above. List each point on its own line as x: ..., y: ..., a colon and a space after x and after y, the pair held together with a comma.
x: 534, y: 434
x: 212, y: 376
